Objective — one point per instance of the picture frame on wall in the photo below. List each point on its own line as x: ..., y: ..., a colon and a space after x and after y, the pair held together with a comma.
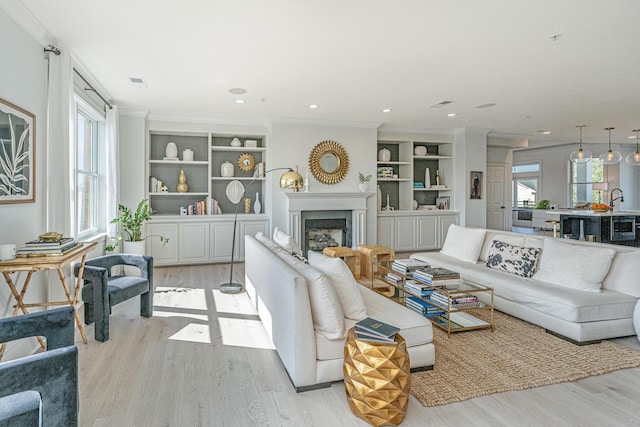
x: 17, y: 154
x: 475, y: 185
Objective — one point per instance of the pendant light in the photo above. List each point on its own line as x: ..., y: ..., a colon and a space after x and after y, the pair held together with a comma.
x: 610, y: 157
x: 580, y: 156
x: 634, y: 158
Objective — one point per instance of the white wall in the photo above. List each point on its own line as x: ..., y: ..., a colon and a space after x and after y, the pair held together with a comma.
x: 23, y: 82
x: 291, y: 144
x: 470, y: 154
x: 132, y: 164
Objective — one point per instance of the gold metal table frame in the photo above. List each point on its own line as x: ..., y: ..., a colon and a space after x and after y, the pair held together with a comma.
x: 31, y: 264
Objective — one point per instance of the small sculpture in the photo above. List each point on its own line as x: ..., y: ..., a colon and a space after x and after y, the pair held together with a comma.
x: 182, y: 182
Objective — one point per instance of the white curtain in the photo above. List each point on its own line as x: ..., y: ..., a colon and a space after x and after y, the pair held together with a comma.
x: 59, y: 203
x: 113, y: 184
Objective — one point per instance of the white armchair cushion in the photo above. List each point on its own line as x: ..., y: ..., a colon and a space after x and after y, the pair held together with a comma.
x: 343, y: 282
x: 574, y: 266
x: 286, y: 242
x: 463, y: 243
x: 326, y: 310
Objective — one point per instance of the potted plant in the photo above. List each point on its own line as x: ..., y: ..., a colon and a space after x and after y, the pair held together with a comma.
x: 131, y: 230
x: 364, y: 181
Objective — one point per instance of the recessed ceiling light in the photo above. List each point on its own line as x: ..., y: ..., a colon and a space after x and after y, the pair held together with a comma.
x: 451, y: 115
x: 387, y: 110
x: 138, y: 82
x: 632, y: 137
x: 240, y: 101
x: 237, y: 91
x: 489, y: 105
x: 555, y: 37
x: 543, y: 132
x: 313, y: 106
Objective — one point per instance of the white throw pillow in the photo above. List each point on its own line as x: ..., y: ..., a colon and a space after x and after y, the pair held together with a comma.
x: 343, y: 282
x: 574, y: 266
x: 624, y: 274
x: 463, y: 243
x: 326, y: 310
x: 286, y: 242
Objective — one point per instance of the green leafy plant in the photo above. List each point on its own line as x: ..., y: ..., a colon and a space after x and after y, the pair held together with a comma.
x: 132, y: 222
x: 363, y: 178
x: 543, y: 204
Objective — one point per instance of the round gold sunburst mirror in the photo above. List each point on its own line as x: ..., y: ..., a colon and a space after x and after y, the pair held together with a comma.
x: 329, y: 162
x: 246, y: 162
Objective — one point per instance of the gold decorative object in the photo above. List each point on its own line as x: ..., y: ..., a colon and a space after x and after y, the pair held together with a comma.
x: 247, y: 205
x: 291, y: 179
x: 182, y: 186
x: 50, y: 236
x: 377, y: 379
x: 329, y: 162
x: 246, y: 162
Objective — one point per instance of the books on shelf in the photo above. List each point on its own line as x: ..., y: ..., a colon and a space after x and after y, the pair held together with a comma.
x: 454, y: 302
x: 438, y: 276
x: 423, y: 307
x: 417, y: 288
x: 198, y: 208
x: 394, y: 278
x: 407, y: 266
x: 370, y: 329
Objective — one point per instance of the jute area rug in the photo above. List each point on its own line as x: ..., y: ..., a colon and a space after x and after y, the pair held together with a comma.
x: 516, y: 356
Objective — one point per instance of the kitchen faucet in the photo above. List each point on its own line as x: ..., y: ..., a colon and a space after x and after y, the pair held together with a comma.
x: 621, y: 197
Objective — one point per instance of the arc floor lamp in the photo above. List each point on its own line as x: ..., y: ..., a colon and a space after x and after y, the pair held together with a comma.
x: 290, y: 179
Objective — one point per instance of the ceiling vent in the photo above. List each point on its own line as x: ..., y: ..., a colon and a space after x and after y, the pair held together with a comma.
x: 441, y: 104
x: 138, y: 82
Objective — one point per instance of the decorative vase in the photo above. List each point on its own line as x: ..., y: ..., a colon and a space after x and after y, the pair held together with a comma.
x: 182, y: 182
x: 384, y: 155
x: 427, y: 178
x: 187, y: 155
x: 138, y: 248
x: 171, y: 151
x: 379, y: 199
x: 363, y: 186
x: 420, y: 150
x: 415, y: 205
x: 226, y: 169
x: 247, y: 205
x: 438, y: 177
x: 257, y: 206
x: 236, y: 143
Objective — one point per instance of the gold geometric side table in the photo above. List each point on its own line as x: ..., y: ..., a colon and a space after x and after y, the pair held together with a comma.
x: 377, y: 379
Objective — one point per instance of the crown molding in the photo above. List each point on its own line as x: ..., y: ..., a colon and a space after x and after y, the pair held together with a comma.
x: 24, y: 18
x: 133, y: 113
x: 209, y: 120
x: 317, y: 122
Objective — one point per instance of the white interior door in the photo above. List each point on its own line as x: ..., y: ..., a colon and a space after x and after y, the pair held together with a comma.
x: 496, y: 197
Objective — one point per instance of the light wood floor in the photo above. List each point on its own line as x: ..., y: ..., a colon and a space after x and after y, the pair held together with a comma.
x: 204, y: 360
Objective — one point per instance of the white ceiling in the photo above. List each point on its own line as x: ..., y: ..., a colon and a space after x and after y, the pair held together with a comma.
x: 353, y: 58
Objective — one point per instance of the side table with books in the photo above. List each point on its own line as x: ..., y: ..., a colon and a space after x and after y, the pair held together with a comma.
x: 451, y: 303
x: 377, y: 375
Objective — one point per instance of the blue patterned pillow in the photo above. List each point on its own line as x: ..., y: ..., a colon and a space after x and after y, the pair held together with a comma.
x: 513, y: 259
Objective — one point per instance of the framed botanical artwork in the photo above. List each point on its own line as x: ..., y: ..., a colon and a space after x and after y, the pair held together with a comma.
x: 17, y: 154
x: 476, y: 185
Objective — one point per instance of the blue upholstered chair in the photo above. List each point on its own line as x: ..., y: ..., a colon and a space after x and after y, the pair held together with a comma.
x: 40, y: 389
x: 102, y: 290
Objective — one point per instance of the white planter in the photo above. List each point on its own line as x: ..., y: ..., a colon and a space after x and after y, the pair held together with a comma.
x: 138, y: 248
x: 363, y: 186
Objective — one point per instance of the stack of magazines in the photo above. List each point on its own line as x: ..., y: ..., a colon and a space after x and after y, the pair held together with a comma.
x: 407, y: 266
x: 41, y: 247
x: 438, y: 276
x: 370, y: 329
x: 423, y: 307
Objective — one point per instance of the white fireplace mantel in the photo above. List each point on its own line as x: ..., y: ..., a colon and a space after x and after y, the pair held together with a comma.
x: 355, y: 202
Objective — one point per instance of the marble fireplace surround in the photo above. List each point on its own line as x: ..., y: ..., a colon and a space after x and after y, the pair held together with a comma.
x: 356, y: 202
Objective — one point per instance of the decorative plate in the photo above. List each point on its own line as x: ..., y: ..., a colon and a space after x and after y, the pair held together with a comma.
x: 246, y: 162
x: 235, y: 190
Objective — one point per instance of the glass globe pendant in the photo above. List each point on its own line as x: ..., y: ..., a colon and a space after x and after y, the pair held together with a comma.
x: 610, y: 157
x: 580, y: 156
x: 634, y: 158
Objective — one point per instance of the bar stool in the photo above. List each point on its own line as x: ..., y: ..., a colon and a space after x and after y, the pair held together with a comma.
x: 350, y: 256
x: 554, y: 225
x: 372, y: 254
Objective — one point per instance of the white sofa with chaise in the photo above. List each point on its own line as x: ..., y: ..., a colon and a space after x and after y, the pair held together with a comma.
x: 308, y: 324
x: 582, y: 291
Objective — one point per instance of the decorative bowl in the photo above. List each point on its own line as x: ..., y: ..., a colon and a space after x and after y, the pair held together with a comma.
x: 600, y: 210
x: 50, y: 236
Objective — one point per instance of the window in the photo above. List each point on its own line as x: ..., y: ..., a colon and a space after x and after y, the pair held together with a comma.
x: 89, y: 170
x: 525, y: 185
x: 584, y: 177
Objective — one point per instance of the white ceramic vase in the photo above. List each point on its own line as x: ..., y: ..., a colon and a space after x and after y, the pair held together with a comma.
x: 384, y: 155
x: 171, y: 150
x: 257, y: 206
x: 226, y: 169
x: 138, y: 248
x: 236, y: 143
x: 363, y: 186
x: 427, y: 178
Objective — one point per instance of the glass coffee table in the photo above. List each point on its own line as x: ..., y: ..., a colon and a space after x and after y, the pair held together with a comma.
x: 462, y: 306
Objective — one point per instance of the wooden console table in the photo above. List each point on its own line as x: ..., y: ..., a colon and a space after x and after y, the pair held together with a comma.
x: 32, y: 264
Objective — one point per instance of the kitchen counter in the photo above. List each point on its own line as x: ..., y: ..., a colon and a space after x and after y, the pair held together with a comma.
x: 617, y: 227
x: 590, y: 213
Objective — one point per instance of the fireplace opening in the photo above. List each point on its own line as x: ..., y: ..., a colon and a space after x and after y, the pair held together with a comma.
x: 324, y: 229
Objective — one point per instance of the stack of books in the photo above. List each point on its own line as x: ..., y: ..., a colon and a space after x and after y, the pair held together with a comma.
x: 407, y: 266
x: 423, y: 307
x: 394, y: 278
x: 370, y: 329
x: 418, y: 184
x: 438, y: 276
x: 41, y: 247
x: 454, y: 302
x: 417, y: 288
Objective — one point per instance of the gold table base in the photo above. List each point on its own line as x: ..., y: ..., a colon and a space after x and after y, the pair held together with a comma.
x: 377, y: 379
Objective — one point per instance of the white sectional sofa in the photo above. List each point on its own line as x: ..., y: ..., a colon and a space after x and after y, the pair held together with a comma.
x: 582, y: 291
x: 308, y: 323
